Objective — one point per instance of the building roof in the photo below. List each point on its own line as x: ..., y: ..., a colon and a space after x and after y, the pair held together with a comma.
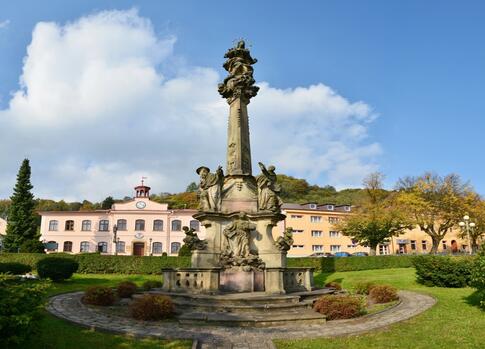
x: 316, y: 207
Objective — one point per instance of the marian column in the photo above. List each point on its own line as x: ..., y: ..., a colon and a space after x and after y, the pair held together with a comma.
x: 240, y: 191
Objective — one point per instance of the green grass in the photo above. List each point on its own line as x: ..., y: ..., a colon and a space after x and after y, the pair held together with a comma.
x: 59, y: 334
x: 454, y: 322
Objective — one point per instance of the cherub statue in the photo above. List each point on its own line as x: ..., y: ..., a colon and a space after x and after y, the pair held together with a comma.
x: 192, y: 240
x: 285, y: 242
x: 268, y: 190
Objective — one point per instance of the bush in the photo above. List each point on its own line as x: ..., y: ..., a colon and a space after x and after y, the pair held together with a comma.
x: 152, y: 307
x: 56, y: 268
x: 340, y: 307
x: 443, y: 271
x: 99, y: 295
x: 383, y: 294
x: 334, y: 285
x: 364, y: 287
x: 126, y: 289
x: 185, y: 251
x: 148, y: 285
x: 20, y: 308
x: 14, y: 268
x: 477, y: 277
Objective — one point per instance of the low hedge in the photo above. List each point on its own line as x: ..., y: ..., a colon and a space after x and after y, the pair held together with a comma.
x: 14, y: 268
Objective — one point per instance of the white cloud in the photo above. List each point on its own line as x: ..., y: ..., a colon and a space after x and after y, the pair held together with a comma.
x: 4, y: 24
x: 95, y: 112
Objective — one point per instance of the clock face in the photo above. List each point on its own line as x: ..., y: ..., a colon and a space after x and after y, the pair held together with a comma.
x: 141, y: 204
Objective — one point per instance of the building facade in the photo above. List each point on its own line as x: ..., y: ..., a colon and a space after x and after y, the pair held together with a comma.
x: 138, y: 227
x: 314, y: 232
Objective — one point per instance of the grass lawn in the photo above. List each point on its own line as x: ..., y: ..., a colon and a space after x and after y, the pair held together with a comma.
x: 454, y: 322
x: 59, y: 334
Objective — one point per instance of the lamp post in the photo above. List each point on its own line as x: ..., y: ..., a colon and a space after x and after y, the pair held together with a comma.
x: 115, y: 238
x: 150, y: 247
x: 467, y: 226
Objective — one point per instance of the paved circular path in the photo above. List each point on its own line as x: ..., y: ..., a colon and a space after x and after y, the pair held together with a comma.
x: 68, y: 306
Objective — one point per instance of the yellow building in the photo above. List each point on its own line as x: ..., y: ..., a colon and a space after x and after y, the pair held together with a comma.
x: 314, y: 233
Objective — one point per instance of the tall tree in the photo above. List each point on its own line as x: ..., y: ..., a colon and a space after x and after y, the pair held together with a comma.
x: 434, y: 203
x: 476, y: 210
x: 107, y: 203
x: 192, y: 187
x: 377, y: 217
x: 22, y: 234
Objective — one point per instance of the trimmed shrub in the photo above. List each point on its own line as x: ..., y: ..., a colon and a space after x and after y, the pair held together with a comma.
x: 99, y: 295
x: 383, y: 294
x: 340, y: 307
x: 126, y: 289
x: 477, y: 277
x: 443, y: 271
x: 364, y: 287
x: 150, y: 284
x: 56, y: 268
x: 152, y: 307
x: 21, y: 303
x: 14, y: 268
x: 334, y: 285
x: 185, y: 251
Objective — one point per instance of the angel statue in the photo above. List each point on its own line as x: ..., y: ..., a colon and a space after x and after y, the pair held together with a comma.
x: 268, y: 189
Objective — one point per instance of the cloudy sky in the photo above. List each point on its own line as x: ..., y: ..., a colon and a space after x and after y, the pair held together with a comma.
x: 99, y: 94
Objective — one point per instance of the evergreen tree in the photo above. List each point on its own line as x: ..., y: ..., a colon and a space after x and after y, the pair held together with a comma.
x: 107, y: 203
x: 192, y: 187
x: 21, y: 234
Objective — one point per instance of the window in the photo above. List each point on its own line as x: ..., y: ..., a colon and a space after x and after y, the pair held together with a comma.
x: 297, y: 231
x: 84, y: 246
x: 175, y: 247
x: 194, y: 225
x: 313, y: 206
x: 298, y: 246
x: 383, y: 249
x: 424, y: 245
x: 69, y: 225
x: 67, y: 246
x: 157, y: 248
x: 157, y: 225
x: 330, y: 207
x: 120, y: 247
x: 315, y: 219
x: 176, y: 225
x: 86, y: 225
x: 139, y: 225
x: 317, y: 248
x: 296, y: 216
x: 444, y: 245
x: 121, y: 224
x: 103, y: 225
x: 347, y: 208
x: 316, y: 233
x: 334, y: 234
x: 351, y: 246
x: 53, y: 225
x: 102, y: 247
x: 335, y: 248
x: 333, y: 220
x: 413, y: 245
x: 51, y: 246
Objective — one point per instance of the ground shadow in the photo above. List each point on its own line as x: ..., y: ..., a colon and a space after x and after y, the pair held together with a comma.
x: 473, y: 299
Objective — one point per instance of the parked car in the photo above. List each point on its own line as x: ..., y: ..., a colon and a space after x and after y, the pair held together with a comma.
x: 321, y: 255
x: 342, y: 254
x: 360, y: 254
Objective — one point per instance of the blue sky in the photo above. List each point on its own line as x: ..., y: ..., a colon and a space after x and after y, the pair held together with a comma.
x: 418, y: 66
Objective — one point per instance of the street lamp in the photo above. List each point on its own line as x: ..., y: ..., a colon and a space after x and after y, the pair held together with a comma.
x: 115, y: 238
x: 467, y: 226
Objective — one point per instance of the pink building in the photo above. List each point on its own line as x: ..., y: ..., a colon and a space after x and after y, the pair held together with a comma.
x: 139, y: 227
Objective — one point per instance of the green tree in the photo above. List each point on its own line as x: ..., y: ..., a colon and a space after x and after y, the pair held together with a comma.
x: 22, y: 234
x: 192, y: 187
x: 476, y: 210
x: 107, y: 203
x: 434, y: 203
x: 377, y: 219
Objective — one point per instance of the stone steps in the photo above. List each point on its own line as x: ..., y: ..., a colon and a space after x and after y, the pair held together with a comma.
x: 182, y: 307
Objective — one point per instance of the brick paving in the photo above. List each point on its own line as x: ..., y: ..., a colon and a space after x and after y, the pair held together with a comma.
x: 68, y: 306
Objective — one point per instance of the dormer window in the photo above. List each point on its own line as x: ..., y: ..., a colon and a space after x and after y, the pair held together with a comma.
x: 313, y: 206
x: 330, y: 207
x: 347, y: 208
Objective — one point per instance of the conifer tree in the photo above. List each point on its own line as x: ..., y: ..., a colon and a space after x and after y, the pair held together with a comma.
x: 21, y: 234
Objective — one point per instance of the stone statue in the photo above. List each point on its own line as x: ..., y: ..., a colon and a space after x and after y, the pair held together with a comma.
x: 210, y: 188
x: 192, y: 240
x: 237, y: 252
x: 268, y: 190
x: 284, y: 243
x: 239, y: 83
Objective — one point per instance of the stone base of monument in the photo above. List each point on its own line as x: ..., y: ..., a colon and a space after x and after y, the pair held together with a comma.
x: 250, y: 309
x: 241, y: 281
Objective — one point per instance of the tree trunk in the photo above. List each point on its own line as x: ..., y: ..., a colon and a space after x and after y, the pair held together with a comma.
x: 372, y: 250
x: 436, y: 242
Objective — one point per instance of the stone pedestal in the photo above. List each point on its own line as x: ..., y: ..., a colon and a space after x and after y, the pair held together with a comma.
x: 241, y: 281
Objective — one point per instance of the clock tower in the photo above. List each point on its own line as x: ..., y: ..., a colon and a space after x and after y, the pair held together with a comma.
x: 142, y: 191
